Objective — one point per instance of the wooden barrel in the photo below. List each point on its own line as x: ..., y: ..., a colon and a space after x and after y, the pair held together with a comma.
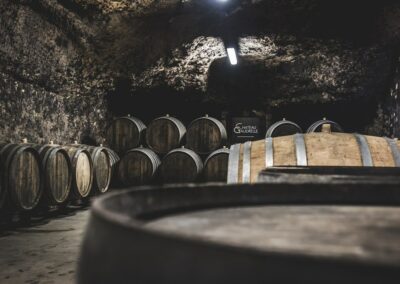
x: 125, y: 133
x: 102, y: 166
x: 22, y: 176
x: 181, y: 165
x: 313, y: 149
x: 283, y: 128
x: 205, y: 135
x: 246, y: 233
x: 329, y: 175
x: 164, y: 134
x: 317, y: 126
x: 82, y: 168
x: 138, y: 166
x: 216, y: 165
x: 57, y: 171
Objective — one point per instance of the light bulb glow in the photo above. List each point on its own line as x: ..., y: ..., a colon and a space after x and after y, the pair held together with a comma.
x: 232, y: 55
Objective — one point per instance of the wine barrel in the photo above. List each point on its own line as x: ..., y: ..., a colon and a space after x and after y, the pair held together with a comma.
x: 82, y: 168
x: 57, y: 171
x: 114, y: 159
x: 216, y: 165
x: 330, y: 175
x: 125, y: 133
x: 317, y: 126
x: 22, y: 176
x: 138, y: 166
x: 180, y: 165
x: 313, y: 149
x: 245, y: 233
x: 164, y: 134
x: 102, y: 167
x: 283, y: 128
x: 205, y: 135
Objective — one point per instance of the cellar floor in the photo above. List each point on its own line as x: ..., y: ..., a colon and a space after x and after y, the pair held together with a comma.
x: 46, y: 251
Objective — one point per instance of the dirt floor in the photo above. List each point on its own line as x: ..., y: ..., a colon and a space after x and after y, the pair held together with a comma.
x: 45, y: 251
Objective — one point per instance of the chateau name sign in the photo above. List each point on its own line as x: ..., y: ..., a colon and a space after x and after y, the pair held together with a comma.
x: 245, y: 129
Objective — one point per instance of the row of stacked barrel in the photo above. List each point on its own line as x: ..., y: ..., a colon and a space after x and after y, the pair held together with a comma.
x: 173, y: 153
x: 52, y: 175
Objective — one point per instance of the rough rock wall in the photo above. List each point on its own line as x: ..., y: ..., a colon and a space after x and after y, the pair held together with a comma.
x: 46, y: 93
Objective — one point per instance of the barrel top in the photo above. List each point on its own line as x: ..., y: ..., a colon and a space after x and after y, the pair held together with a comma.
x: 277, y: 124
x: 326, y: 204
x: 334, y: 125
x: 217, y: 152
x: 175, y: 120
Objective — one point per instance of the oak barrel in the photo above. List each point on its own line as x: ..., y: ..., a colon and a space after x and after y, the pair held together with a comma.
x: 164, y: 134
x: 57, y: 171
x: 312, y: 149
x: 82, y: 168
x: 181, y: 165
x: 22, y: 176
x: 138, y: 166
x: 317, y: 126
x: 102, y: 166
x: 125, y: 133
x: 216, y: 166
x: 205, y: 135
x: 245, y: 233
x: 282, y: 128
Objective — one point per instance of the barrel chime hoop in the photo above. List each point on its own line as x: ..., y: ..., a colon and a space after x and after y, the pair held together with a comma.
x: 233, y: 163
x: 395, y: 151
x: 364, y: 150
x: 246, y: 162
x: 301, y: 152
x: 269, y: 152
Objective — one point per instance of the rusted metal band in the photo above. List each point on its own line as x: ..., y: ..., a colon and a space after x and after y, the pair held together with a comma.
x: 301, y: 152
x: 233, y: 164
x: 246, y: 162
x: 269, y: 152
x: 364, y: 150
x: 395, y: 150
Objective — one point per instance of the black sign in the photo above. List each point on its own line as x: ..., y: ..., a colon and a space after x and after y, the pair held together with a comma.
x: 245, y: 129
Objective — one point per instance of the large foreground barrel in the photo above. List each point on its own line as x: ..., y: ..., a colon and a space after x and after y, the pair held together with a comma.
x: 138, y: 166
x: 313, y: 149
x: 181, y: 165
x: 205, y: 135
x: 22, y: 176
x: 246, y: 233
x: 82, y: 168
x: 282, y: 128
x: 164, y: 134
x: 216, y: 165
x: 125, y: 133
x: 102, y: 166
x: 57, y: 170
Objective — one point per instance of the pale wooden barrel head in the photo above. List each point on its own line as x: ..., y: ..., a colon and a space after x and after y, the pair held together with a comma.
x: 102, y: 171
x: 24, y: 180
x: 58, y: 172
x: 83, y: 174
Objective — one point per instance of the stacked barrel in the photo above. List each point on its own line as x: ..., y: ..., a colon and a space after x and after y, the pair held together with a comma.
x: 168, y: 151
x: 51, y: 175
